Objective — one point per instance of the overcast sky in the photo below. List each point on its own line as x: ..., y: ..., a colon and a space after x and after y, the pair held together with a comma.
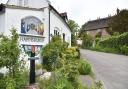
x: 83, y: 10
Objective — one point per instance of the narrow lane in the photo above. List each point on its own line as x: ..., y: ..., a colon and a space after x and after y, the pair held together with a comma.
x: 112, y: 69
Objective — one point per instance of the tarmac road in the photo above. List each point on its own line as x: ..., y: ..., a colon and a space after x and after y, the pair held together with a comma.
x: 111, y: 69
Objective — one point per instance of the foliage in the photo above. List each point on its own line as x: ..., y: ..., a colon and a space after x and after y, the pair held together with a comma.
x: 61, y: 83
x: 2, y: 81
x: 52, y: 52
x: 84, y: 68
x: 9, y: 55
x: 124, y: 50
x: 115, y: 41
x: 119, y: 22
x: 98, y: 85
x: 64, y: 62
x: 55, y: 83
x: 82, y: 30
x: 98, y: 35
x: 9, y: 52
x: 87, y: 41
x: 73, y: 40
x: 115, y: 44
x: 74, y: 28
x: 10, y: 83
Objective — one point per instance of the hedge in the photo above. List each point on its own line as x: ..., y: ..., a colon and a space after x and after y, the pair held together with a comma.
x: 115, y: 41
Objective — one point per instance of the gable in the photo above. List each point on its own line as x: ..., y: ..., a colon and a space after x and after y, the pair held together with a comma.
x: 29, y: 3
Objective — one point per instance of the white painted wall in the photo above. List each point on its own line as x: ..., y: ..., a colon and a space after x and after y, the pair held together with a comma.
x: 14, y: 16
x: 13, y: 19
x: 56, y: 21
x: 31, y: 3
x: 2, y: 22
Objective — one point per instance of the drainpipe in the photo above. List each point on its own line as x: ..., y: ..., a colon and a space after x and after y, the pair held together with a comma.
x: 49, y: 22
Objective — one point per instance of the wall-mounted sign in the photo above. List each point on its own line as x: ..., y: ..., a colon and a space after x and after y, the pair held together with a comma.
x: 32, y: 25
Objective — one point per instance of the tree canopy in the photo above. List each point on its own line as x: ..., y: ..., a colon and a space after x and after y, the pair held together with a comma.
x: 74, y: 29
x: 119, y: 22
x: 73, y: 26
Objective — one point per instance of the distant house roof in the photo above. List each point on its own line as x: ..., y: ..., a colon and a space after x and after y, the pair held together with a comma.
x: 97, y: 24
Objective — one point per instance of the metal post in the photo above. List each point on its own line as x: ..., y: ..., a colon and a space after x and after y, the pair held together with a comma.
x: 32, y: 67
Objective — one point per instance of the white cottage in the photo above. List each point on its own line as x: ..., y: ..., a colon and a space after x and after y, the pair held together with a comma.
x: 36, y: 21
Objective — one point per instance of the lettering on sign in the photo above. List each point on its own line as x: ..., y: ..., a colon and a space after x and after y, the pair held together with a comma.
x: 26, y: 38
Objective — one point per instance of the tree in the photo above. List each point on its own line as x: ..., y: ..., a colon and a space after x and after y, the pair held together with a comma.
x: 9, y: 52
x: 119, y: 22
x: 87, y: 41
x: 82, y: 30
x: 9, y: 55
x: 74, y: 29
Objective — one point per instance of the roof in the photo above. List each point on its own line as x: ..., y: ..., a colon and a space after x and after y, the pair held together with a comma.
x: 64, y: 15
x: 97, y: 24
x: 60, y: 16
x: 36, y: 9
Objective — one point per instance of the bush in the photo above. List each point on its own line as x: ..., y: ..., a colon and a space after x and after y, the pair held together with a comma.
x: 84, y: 68
x: 61, y: 83
x: 124, y: 49
x: 114, y: 44
x: 64, y: 62
x: 10, y: 83
x: 87, y: 41
x: 2, y: 81
x: 115, y: 41
x: 51, y: 53
x: 9, y: 55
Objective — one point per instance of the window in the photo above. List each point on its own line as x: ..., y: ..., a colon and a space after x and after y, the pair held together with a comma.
x: 63, y: 37
x: 56, y: 31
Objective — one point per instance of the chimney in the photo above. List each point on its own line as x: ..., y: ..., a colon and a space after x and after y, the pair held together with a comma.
x: 64, y: 16
x: 118, y: 11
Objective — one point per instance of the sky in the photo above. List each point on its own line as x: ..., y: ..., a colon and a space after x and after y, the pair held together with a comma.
x: 82, y: 11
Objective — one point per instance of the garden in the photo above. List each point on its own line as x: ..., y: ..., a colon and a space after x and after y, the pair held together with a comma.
x: 61, y: 61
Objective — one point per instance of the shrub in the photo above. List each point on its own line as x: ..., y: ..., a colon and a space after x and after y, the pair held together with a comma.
x: 51, y: 53
x: 87, y: 41
x: 114, y: 44
x: 115, y: 41
x: 61, y: 83
x: 9, y: 55
x: 84, y: 68
x: 2, y: 81
x: 124, y: 49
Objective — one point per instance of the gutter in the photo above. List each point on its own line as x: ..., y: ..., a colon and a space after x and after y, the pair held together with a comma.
x: 49, y: 22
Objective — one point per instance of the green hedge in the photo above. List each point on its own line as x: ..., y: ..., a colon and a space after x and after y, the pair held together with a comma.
x: 115, y: 41
x: 114, y: 44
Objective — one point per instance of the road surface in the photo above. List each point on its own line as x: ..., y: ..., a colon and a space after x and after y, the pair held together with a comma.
x: 111, y: 69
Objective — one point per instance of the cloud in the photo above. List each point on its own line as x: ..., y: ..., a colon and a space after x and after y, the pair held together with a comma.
x: 3, y: 1
x: 83, y: 10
